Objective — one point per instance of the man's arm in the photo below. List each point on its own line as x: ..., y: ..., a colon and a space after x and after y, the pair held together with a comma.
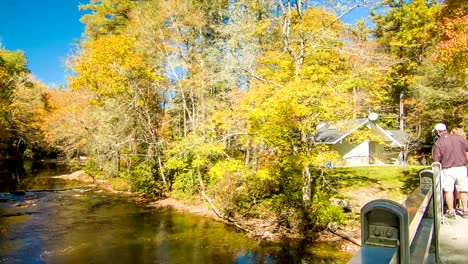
x: 466, y: 151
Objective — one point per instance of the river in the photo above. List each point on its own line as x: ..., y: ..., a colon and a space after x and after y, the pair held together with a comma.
x: 58, y: 221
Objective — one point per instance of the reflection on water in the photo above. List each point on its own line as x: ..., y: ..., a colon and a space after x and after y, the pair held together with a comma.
x: 33, y: 175
x: 84, y: 226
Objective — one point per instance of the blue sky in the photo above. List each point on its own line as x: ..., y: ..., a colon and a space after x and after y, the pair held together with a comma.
x: 45, y: 30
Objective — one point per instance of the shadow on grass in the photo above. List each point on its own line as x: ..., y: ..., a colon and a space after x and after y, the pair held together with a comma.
x: 410, y: 179
x: 347, y: 177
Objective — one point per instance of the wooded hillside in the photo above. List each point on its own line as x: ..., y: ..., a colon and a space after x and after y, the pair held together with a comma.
x: 220, y: 98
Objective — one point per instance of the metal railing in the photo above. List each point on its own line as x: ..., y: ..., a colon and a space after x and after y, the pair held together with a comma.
x: 404, y: 233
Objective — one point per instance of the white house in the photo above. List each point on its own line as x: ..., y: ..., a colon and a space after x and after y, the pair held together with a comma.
x: 382, y: 147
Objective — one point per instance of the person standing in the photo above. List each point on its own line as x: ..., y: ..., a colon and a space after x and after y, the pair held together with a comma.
x: 459, y: 131
x: 450, y: 151
x: 401, y: 158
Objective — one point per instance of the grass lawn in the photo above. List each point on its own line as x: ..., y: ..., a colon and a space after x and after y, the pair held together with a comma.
x: 391, y: 182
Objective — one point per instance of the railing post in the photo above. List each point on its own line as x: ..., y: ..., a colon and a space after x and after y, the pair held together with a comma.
x: 438, y: 205
x: 384, y: 231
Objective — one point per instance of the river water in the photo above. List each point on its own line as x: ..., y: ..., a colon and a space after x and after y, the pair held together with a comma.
x: 58, y: 221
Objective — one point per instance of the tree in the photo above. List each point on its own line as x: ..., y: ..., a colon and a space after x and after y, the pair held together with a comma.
x: 13, y: 72
x: 368, y: 69
x: 128, y: 101
x: 105, y: 17
x: 452, y: 50
x: 441, y: 97
x: 440, y: 87
x: 69, y: 125
x: 406, y: 30
x: 28, y: 109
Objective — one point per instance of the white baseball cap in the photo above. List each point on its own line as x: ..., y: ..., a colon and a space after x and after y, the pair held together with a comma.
x: 440, y: 127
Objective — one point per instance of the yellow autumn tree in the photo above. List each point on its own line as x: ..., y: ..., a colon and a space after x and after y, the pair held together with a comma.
x: 127, y: 94
x: 108, y: 65
x: 68, y: 124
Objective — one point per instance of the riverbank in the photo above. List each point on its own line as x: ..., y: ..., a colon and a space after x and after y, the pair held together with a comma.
x: 258, y: 229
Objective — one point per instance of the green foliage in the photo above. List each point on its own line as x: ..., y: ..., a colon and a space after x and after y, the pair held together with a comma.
x: 75, y: 165
x: 226, y: 169
x: 407, y: 31
x: 189, y: 156
x: 287, y: 208
x: 28, y: 154
x: 13, y: 62
x: 141, y: 178
x: 441, y: 97
x: 227, y: 184
x: 106, y: 16
x: 323, y: 213
x: 92, y: 168
x: 119, y: 184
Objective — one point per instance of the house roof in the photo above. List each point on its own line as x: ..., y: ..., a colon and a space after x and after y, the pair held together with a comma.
x: 332, y: 134
x: 399, y: 135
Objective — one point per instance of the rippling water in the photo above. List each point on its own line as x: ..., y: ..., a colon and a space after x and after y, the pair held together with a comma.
x: 84, y: 226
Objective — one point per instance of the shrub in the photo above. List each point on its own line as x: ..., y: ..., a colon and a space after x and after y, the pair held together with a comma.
x: 141, y: 179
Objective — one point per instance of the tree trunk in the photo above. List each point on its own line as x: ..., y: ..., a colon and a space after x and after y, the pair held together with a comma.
x: 355, y: 99
x: 402, y: 111
x: 213, y: 207
x: 202, y: 191
x: 162, y: 174
x: 307, y: 191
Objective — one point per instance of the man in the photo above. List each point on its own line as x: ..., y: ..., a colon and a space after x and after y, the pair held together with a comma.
x: 450, y: 150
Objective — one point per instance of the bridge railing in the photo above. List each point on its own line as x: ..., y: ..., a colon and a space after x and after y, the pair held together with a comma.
x: 403, y: 233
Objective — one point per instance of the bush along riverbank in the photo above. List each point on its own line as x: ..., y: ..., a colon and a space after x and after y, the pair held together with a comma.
x: 332, y: 216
